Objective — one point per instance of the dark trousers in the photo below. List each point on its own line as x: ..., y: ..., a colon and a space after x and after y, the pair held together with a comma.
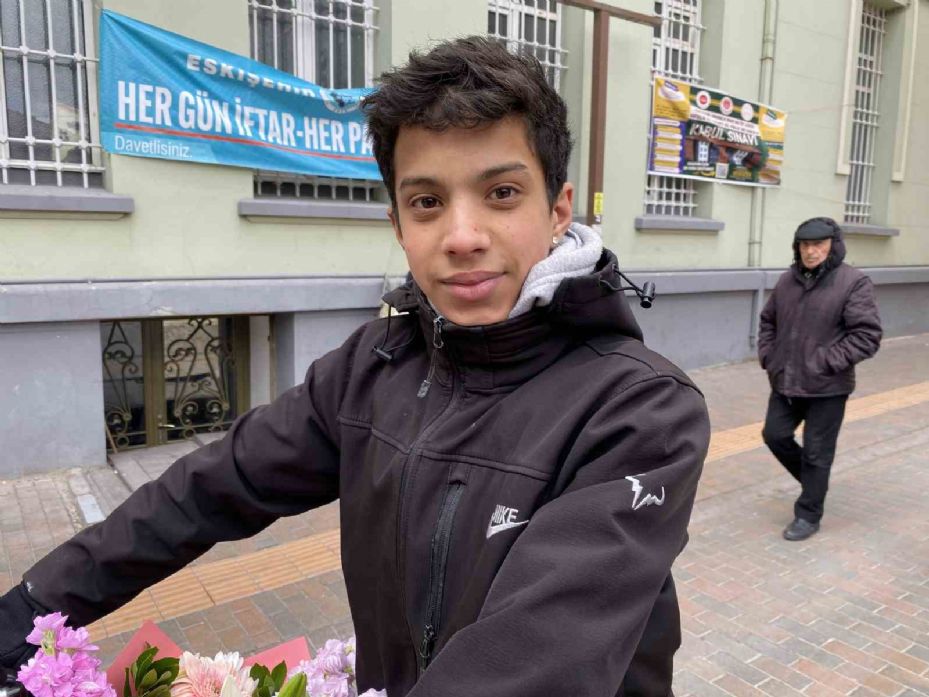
x: 810, y: 464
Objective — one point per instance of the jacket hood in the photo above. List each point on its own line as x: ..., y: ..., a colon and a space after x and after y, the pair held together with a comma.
x: 581, y: 306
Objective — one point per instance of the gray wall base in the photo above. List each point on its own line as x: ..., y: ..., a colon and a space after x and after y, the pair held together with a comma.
x: 302, y: 337
x: 904, y: 308
x: 51, y: 397
x: 51, y: 391
x: 696, y: 330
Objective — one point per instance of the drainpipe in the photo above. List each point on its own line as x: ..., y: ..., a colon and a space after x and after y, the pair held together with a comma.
x: 759, y: 194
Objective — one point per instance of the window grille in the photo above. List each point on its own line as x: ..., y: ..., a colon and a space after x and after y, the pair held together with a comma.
x: 866, y: 115
x: 675, y: 54
x: 329, y: 43
x: 533, y: 26
x: 49, y: 132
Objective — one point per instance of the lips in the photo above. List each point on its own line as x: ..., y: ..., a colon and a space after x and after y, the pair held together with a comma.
x: 472, y: 286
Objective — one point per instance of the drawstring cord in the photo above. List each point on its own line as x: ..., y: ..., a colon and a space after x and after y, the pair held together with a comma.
x: 386, y: 353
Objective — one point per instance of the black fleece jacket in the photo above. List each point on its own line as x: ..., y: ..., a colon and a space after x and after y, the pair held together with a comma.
x: 508, y: 531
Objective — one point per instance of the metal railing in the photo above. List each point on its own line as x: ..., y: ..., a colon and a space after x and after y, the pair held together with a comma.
x: 866, y: 116
x: 329, y: 43
x: 49, y: 131
x: 533, y: 26
x: 675, y: 54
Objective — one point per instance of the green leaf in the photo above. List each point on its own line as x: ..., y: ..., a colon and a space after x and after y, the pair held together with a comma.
x: 127, y: 690
x: 295, y: 687
x: 166, y: 666
x: 160, y: 691
x: 142, y: 664
x: 278, y: 675
x: 148, y: 680
x: 258, y: 672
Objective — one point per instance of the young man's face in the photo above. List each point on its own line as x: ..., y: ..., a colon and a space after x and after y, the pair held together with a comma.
x: 473, y: 216
x: 814, y: 252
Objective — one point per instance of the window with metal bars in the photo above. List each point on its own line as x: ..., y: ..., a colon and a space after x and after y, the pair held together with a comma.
x: 49, y: 133
x: 675, y: 54
x: 533, y: 26
x: 866, y: 116
x: 329, y: 43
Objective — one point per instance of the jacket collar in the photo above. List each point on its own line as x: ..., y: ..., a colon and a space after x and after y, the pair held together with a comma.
x: 512, y: 351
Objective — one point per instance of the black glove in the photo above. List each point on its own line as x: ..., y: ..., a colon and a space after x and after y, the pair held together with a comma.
x: 17, y: 610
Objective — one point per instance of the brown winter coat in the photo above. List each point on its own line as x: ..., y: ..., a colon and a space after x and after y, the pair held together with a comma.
x: 817, y: 325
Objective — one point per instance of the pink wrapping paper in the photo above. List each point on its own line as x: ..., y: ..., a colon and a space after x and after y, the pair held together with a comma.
x: 291, y: 652
x: 148, y: 633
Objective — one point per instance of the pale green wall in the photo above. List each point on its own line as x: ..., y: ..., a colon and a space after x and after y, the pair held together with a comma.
x: 416, y: 24
x: 730, y: 60
x: 627, y: 127
x: 909, y: 199
x: 575, y: 90
x: 731, y: 57
x: 186, y: 222
x: 809, y: 83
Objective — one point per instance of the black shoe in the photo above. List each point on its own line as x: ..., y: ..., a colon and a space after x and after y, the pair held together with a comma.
x: 800, y: 529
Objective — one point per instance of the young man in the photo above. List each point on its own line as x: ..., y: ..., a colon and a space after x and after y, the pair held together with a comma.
x: 515, y: 470
x: 818, y: 323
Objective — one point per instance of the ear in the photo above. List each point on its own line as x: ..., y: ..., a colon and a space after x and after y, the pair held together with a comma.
x: 395, y: 222
x: 563, y: 210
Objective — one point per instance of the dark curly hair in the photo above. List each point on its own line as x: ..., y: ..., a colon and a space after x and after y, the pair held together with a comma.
x: 465, y: 83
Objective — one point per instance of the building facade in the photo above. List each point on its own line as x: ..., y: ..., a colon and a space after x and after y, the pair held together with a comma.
x: 143, y: 301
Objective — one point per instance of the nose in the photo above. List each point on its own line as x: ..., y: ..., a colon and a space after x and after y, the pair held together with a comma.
x: 466, y: 234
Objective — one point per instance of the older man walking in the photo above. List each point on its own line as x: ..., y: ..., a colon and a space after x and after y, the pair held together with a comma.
x: 818, y: 323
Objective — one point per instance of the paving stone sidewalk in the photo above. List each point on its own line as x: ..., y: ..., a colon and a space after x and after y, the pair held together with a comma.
x: 844, y: 613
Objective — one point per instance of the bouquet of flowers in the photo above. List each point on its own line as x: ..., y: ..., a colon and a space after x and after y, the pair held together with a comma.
x: 64, y: 666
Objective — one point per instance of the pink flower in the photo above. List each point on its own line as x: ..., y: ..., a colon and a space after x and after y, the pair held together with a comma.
x: 47, y: 676
x: 331, y: 672
x: 93, y: 684
x: 204, y: 677
x: 75, y: 640
x: 331, y: 658
x: 46, y: 623
x: 63, y: 666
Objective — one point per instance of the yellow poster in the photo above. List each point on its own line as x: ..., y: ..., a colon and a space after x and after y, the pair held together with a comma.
x: 702, y: 133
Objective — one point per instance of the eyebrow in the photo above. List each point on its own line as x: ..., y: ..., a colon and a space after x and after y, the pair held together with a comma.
x: 418, y: 181
x: 502, y: 169
x: 483, y: 176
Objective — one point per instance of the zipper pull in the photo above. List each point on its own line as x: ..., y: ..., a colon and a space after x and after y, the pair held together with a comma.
x: 425, y: 649
x: 437, y: 343
x: 437, y: 323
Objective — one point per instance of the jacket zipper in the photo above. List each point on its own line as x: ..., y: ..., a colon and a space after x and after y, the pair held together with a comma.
x: 437, y: 343
x: 441, y: 539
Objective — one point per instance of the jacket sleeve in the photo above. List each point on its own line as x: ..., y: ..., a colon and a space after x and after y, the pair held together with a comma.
x: 862, y: 329
x: 276, y: 460
x: 767, y: 330
x: 570, y: 602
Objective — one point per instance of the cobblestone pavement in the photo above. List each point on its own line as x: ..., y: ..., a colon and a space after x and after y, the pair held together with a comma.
x: 844, y: 613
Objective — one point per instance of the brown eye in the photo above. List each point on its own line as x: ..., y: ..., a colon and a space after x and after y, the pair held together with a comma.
x: 502, y: 193
x: 426, y: 202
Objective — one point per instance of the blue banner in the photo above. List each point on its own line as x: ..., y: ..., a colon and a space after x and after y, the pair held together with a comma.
x: 166, y: 96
